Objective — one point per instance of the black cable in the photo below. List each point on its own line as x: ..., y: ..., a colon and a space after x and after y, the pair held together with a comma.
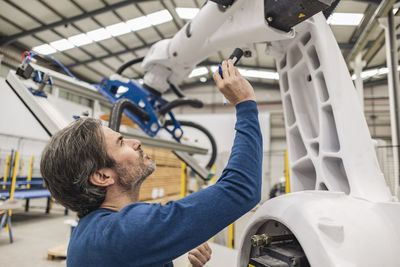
x: 128, y: 64
x: 119, y: 107
x: 207, y: 133
x: 180, y: 102
x: 178, y: 92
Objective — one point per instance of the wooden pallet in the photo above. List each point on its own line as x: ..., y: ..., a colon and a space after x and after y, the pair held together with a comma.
x: 57, y: 253
x: 165, y: 179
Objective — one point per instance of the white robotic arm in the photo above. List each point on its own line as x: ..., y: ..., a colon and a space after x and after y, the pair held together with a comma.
x: 347, y: 216
x: 213, y: 28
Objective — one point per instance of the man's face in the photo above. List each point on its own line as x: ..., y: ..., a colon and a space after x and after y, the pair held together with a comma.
x: 132, y: 164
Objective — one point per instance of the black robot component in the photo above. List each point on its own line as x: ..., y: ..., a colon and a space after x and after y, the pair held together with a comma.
x: 284, y: 14
x: 224, y: 2
x: 276, y: 246
x: 236, y: 55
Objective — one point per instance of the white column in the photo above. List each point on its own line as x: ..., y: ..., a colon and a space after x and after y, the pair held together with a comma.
x: 96, y: 109
x: 393, y: 86
x: 358, y: 64
x: 55, y: 91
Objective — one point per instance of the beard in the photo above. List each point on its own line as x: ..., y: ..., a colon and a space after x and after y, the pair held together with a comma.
x: 132, y: 176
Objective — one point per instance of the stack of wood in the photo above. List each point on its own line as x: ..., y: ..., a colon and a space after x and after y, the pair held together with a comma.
x: 165, y: 182
x: 124, y: 120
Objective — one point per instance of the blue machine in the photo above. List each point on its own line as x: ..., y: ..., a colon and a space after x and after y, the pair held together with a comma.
x: 147, y: 108
x: 150, y: 105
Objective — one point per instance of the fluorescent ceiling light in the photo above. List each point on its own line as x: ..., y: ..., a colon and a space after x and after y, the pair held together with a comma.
x: 44, y: 49
x: 80, y: 39
x: 385, y: 70
x: 159, y: 17
x: 371, y: 73
x: 99, y: 34
x: 348, y: 19
x: 214, y: 68
x: 395, y: 10
x: 62, y: 45
x: 186, y: 13
x: 259, y: 74
x: 138, y: 23
x: 118, y: 29
x: 245, y: 72
x: 198, y: 72
x: 155, y: 18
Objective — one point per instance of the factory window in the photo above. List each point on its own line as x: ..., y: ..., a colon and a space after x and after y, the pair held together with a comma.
x: 75, y: 98
x: 86, y: 102
x: 105, y: 109
x: 63, y: 94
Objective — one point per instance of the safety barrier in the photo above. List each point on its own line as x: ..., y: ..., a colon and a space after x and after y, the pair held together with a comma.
x: 27, y: 187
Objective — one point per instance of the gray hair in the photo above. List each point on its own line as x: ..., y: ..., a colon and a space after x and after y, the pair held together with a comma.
x: 69, y: 159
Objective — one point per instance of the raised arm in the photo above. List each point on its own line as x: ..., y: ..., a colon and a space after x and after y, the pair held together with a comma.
x: 177, y: 227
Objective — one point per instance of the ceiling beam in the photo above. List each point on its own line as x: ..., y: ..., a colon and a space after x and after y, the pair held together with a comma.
x: 11, y: 38
x: 369, y: 11
x: 374, y: 2
x: 84, y: 62
x: 361, y: 42
x: 377, y: 66
x: 343, y: 46
x: 205, y: 63
x: 383, y: 81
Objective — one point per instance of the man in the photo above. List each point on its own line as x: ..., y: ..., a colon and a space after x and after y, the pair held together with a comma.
x: 96, y: 172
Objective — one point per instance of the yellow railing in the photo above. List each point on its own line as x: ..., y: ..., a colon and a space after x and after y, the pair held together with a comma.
x: 287, y: 180
x: 14, y: 176
x: 13, y: 182
x: 6, y: 171
x: 30, y: 173
x: 183, y: 179
x: 231, y: 235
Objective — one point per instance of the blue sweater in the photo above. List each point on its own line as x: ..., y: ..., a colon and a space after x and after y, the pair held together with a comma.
x: 152, y: 235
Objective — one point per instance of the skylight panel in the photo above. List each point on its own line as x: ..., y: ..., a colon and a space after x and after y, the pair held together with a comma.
x: 62, y: 45
x: 214, y: 68
x: 345, y: 19
x: 44, y: 49
x: 186, y: 13
x: 80, y: 39
x: 118, y: 29
x: 369, y: 73
x: 384, y: 70
x: 139, y: 23
x: 198, y: 72
x: 99, y: 34
x: 159, y: 17
x: 259, y: 74
x: 372, y: 73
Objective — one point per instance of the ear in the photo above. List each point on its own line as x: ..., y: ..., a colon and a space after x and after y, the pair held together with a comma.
x: 103, y: 177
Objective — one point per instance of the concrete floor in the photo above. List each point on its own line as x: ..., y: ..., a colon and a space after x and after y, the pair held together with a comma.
x: 35, y: 232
